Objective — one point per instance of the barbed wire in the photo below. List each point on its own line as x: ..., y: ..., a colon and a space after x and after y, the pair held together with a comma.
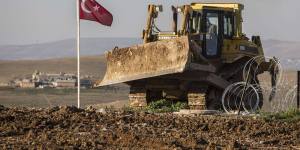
x: 281, y: 93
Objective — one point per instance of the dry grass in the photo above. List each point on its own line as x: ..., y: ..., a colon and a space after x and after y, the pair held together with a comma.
x: 58, y: 97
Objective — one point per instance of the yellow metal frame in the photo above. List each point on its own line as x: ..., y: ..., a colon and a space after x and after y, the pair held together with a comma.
x: 220, y: 6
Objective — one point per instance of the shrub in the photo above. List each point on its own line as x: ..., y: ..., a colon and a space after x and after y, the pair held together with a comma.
x: 289, y: 115
x: 163, y: 105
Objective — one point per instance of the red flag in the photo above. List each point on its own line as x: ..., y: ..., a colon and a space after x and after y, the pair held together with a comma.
x: 91, y: 10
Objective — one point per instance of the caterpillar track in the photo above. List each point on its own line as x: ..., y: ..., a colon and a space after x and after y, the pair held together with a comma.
x: 197, y: 99
x: 137, y: 98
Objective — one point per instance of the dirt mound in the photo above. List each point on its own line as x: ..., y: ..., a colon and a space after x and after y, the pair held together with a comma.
x: 72, y: 128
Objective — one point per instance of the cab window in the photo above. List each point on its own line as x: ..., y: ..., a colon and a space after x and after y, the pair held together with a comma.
x: 194, y: 22
x: 228, y: 25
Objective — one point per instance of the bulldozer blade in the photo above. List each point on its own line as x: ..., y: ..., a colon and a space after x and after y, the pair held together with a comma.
x: 146, y: 60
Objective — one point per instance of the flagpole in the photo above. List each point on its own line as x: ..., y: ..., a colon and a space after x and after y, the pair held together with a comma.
x: 78, y: 52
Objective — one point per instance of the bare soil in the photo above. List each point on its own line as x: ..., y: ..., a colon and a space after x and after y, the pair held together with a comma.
x: 72, y: 128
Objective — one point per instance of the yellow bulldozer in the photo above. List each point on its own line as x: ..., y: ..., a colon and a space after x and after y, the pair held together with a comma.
x: 194, y: 62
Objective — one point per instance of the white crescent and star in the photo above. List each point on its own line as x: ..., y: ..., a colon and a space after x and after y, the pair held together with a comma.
x: 83, y: 6
x: 96, y: 8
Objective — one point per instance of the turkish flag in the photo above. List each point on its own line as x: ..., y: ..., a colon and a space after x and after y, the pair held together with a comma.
x: 93, y: 11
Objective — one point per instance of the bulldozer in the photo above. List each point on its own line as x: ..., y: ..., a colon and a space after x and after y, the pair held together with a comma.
x: 195, y: 61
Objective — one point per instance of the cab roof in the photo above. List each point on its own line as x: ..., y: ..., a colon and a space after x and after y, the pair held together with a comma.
x: 234, y: 6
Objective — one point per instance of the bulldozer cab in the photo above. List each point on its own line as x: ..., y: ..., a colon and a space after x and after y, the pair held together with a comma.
x: 218, y: 25
x: 208, y: 24
x: 212, y: 37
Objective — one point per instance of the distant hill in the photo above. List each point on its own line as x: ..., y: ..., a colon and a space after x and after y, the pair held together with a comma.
x: 282, y: 49
x: 65, y: 48
x: 288, y: 52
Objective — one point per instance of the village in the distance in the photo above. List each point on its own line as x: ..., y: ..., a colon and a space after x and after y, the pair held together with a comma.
x: 40, y: 80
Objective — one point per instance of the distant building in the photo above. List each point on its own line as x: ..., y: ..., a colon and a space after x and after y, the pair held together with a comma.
x: 65, y: 83
x: 44, y: 85
x: 40, y: 76
x: 3, y: 84
x: 26, y: 83
x: 46, y: 80
x: 54, y: 80
x: 17, y: 83
x: 86, y: 83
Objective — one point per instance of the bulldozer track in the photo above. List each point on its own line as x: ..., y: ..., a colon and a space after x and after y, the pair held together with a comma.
x: 137, y: 97
x: 197, y: 100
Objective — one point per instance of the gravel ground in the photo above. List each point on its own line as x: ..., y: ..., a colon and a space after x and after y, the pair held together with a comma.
x: 72, y: 128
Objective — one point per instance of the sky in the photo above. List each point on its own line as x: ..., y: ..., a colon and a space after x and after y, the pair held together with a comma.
x: 39, y: 21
